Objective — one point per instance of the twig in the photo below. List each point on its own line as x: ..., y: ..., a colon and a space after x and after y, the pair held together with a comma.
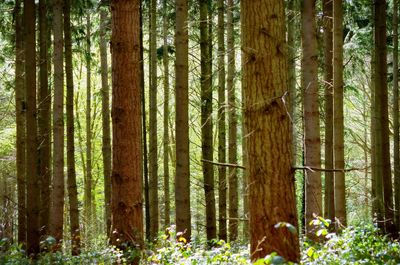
x: 223, y: 164
x: 312, y: 169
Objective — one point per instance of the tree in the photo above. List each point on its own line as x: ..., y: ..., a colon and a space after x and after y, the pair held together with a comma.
x: 182, y: 177
x: 105, y: 110
x: 126, y: 180
x: 396, y: 133
x: 20, y: 123
x: 71, y: 170
x: 153, y: 163
x: 329, y: 198
x: 312, y: 141
x: 32, y: 188
x: 269, y: 158
x: 232, y: 139
x: 206, y: 121
x: 222, y: 231
x: 57, y: 198
x: 340, y: 191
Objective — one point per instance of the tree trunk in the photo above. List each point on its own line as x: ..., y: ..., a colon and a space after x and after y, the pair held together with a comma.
x: 57, y: 207
x: 312, y: 139
x: 340, y: 185
x: 126, y: 180
x: 206, y: 121
x: 20, y: 109
x: 182, y: 177
x: 329, y: 198
x: 105, y: 92
x: 222, y: 231
x: 88, y: 181
x: 33, y: 190
x: 232, y: 138
x: 71, y: 172
x: 44, y: 122
x: 270, y: 168
x: 396, y: 137
x: 153, y: 165
x: 167, y: 210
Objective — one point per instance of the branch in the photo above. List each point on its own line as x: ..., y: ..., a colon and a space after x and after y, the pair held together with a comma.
x: 223, y: 164
x: 312, y: 169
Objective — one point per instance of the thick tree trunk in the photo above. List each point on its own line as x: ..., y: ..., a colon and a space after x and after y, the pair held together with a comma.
x: 126, y: 186
x: 222, y: 187
x: 182, y: 177
x: 153, y: 163
x: 88, y: 182
x: 232, y: 139
x: 340, y: 185
x: 312, y: 147
x: 33, y: 190
x: 206, y: 121
x: 167, y: 210
x: 20, y: 123
x: 396, y: 133
x: 270, y: 168
x: 329, y: 199
x: 44, y: 122
x: 105, y: 107
x: 71, y: 172
x: 57, y: 207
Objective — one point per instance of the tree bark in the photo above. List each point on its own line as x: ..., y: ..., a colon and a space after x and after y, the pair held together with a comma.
x: 71, y: 171
x: 20, y: 108
x: 105, y: 92
x: 182, y: 177
x: 166, y: 140
x: 312, y: 146
x: 396, y: 133
x: 126, y: 180
x: 270, y: 173
x: 57, y: 207
x: 329, y: 199
x: 33, y: 189
x: 153, y: 163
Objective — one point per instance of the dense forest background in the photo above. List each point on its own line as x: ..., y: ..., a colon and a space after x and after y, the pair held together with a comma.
x: 132, y: 123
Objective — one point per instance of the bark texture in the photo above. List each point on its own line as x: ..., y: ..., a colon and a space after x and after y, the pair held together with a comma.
x: 396, y: 133
x: 268, y: 124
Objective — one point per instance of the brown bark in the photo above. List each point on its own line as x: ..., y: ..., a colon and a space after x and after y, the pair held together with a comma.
x: 71, y: 172
x: 312, y: 145
x: 329, y: 199
x: 396, y: 133
x: 126, y: 180
x: 182, y: 177
x: 20, y: 123
x: 153, y: 165
x: 166, y: 139
x: 270, y: 174
x: 206, y: 121
x: 232, y: 119
x: 57, y: 197
x: 340, y: 185
x: 222, y: 187
x: 33, y: 189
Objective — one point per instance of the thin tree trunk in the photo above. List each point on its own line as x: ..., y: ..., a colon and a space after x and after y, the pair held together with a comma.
x: 206, y: 121
x: 20, y: 109
x: 329, y: 198
x: 232, y: 139
x: 340, y: 185
x: 222, y: 187
x: 167, y: 220
x: 105, y: 92
x: 126, y: 186
x: 33, y: 189
x: 57, y: 207
x: 153, y: 165
x: 396, y: 133
x: 71, y: 172
x: 88, y: 182
x: 182, y: 177
x: 270, y: 168
x: 312, y: 139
